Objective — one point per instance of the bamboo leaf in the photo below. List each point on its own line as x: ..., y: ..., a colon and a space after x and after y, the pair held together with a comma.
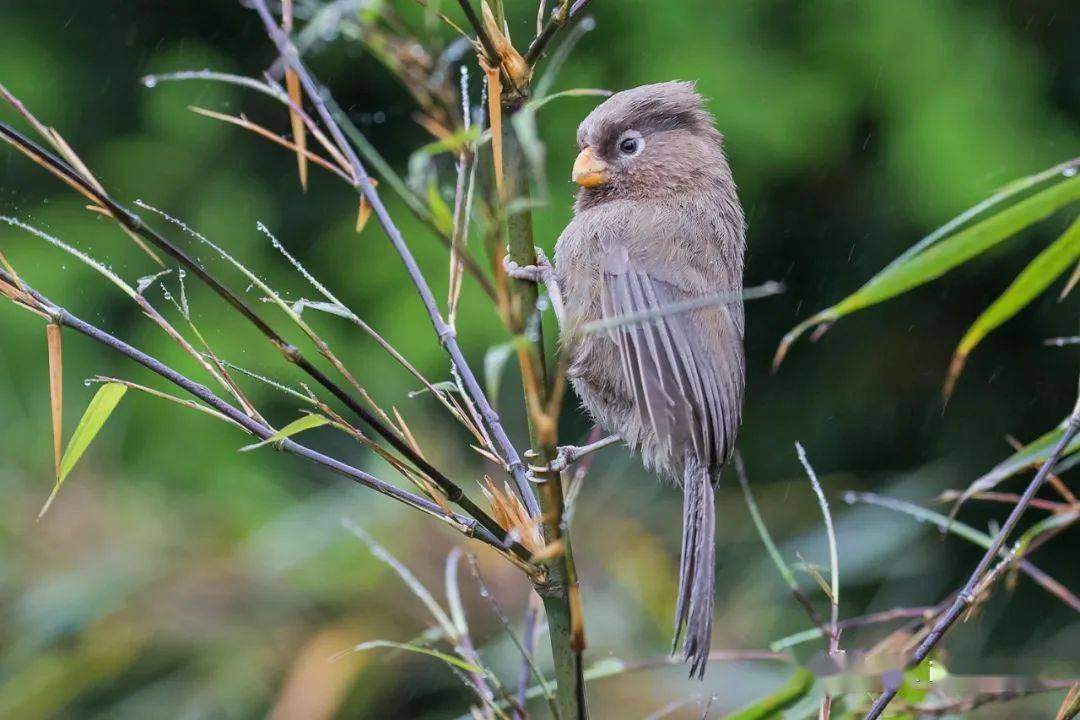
x: 1028, y: 285
x: 56, y: 392
x: 97, y: 412
x: 190, y: 404
x: 1052, y: 522
x: 307, y: 422
x: 292, y: 86
x: 1031, y: 455
x: 932, y: 261
x: 967, y: 532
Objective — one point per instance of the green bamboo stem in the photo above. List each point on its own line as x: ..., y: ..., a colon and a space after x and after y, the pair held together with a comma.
x: 560, y: 592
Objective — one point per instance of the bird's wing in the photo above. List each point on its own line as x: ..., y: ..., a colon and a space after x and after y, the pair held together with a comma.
x: 685, y: 369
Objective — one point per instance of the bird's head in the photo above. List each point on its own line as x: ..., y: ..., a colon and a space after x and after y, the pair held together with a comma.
x: 650, y: 141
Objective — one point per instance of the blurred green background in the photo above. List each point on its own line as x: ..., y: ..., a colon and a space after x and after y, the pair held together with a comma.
x: 174, y: 577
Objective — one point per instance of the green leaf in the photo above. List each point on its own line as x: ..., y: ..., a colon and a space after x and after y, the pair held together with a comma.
x: 919, y: 681
x: 440, y: 211
x: 97, y: 412
x: 307, y: 422
x: 762, y: 529
x: 1052, y: 522
x: 961, y: 247
x: 448, y: 659
x: 932, y: 261
x: 1031, y: 281
x: 791, y: 692
x: 1031, y: 455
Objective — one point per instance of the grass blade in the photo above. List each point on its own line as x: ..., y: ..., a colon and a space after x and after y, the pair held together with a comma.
x: 307, y: 422
x: 97, y: 412
x: 931, y: 263
x: 448, y: 659
x: 834, y: 561
x: 762, y: 529
x: 1028, y: 285
x: 56, y: 392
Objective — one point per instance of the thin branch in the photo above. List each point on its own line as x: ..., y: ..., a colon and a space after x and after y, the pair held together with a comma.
x: 967, y: 595
x: 444, y: 332
x: 469, y: 526
x: 290, y: 352
x: 559, y: 17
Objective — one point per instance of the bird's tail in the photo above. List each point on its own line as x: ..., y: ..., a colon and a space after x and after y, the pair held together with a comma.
x: 697, y: 574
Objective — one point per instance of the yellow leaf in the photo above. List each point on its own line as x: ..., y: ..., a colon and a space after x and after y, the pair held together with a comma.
x: 363, y: 215
x: 56, y: 392
x: 292, y: 84
x: 495, y: 115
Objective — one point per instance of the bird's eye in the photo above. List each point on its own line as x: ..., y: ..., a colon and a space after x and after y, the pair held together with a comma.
x: 631, y: 143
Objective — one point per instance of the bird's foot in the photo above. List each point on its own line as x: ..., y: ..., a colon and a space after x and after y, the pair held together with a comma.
x: 542, y: 272
x: 567, y: 455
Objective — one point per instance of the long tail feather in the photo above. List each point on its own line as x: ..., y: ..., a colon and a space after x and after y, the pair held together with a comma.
x: 697, y: 572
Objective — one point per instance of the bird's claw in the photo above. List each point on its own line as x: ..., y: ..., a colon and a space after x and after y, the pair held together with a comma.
x: 565, y: 456
x: 537, y: 273
x: 528, y: 273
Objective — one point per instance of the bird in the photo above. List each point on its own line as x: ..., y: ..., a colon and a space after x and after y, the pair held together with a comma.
x: 648, y: 277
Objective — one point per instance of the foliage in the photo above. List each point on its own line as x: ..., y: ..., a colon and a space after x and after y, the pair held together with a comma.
x: 844, y: 155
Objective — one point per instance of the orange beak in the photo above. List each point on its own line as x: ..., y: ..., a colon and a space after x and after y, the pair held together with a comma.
x: 589, y: 170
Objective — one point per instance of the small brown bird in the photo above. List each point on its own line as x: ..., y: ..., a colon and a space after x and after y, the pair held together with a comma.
x: 658, y: 223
